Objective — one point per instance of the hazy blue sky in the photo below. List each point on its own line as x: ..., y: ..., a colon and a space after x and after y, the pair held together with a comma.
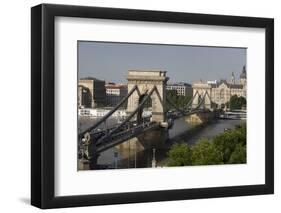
x: 111, y: 61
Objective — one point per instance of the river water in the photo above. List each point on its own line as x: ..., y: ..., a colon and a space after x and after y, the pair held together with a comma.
x: 143, y: 159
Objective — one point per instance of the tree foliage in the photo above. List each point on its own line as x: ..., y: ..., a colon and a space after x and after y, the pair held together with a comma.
x: 227, y: 142
x: 179, y: 100
x: 238, y: 155
x: 236, y: 102
x: 179, y: 155
x: 228, y: 147
x: 205, y: 153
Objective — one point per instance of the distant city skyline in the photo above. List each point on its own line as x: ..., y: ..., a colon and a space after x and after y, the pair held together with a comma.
x: 111, y: 61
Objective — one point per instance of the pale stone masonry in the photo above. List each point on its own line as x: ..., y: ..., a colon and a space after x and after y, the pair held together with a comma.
x: 146, y: 80
x: 221, y: 92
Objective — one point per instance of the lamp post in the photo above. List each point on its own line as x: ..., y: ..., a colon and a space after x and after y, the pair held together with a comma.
x: 115, y: 160
x: 135, y: 154
x: 153, y: 163
x: 129, y: 153
x: 84, y: 163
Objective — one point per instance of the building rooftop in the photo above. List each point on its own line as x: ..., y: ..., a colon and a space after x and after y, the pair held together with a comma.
x: 223, y: 81
x: 150, y: 70
x: 178, y: 84
x: 90, y: 78
x: 236, y: 86
x: 115, y: 86
x: 147, y: 73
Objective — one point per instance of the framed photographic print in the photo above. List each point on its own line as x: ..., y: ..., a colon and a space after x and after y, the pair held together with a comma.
x: 140, y: 106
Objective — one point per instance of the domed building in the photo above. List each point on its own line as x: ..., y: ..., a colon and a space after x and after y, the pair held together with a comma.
x: 243, y: 76
x: 220, y: 92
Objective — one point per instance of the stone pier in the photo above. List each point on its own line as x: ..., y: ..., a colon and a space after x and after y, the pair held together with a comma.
x: 200, y: 118
x: 148, y: 140
x: 139, y: 149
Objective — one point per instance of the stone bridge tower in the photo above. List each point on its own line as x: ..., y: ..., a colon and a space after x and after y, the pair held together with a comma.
x: 146, y: 80
x: 199, y: 89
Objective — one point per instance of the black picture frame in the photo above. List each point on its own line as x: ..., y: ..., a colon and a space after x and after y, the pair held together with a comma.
x: 43, y: 102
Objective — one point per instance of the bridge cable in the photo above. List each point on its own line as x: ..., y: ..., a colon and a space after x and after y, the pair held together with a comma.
x: 110, y: 112
x: 185, y: 108
x: 191, y: 100
x: 203, y: 99
x: 129, y: 117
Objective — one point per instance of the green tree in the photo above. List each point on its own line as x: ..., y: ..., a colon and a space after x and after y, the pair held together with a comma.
x: 238, y: 155
x: 228, y: 147
x: 236, y: 102
x: 227, y: 141
x: 225, y: 144
x: 241, y: 130
x: 179, y: 101
x: 179, y: 155
x: 205, y: 153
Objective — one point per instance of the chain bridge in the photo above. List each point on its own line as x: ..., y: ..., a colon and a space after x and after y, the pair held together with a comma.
x: 143, y: 87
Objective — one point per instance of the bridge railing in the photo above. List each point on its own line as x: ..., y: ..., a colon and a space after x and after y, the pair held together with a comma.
x: 187, y: 109
x: 145, y: 99
x: 110, y: 137
x: 124, y: 135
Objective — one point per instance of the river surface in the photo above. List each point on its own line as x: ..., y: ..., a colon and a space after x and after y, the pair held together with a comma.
x: 143, y: 158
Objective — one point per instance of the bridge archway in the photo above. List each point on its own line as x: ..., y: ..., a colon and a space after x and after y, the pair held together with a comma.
x: 146, y: 106
x: 147, y: 81
x: 202, y: 94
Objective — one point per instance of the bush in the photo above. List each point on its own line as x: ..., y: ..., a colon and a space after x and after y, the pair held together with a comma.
x: 228, y: 147
x: 226, y: 142
x: 238, y: 155
x: 236, y: 102
x: 205, y: 153
x: 179, y: 155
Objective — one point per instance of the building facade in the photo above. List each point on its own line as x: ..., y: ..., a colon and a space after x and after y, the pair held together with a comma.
x: 115, y: 93
x: 182, y: 89
x: 96, y: 89
x: 219, y: 93
x: 84, y: 97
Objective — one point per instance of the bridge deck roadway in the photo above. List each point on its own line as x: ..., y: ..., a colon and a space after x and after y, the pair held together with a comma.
x: 125, y: 134
x: 132, y: 130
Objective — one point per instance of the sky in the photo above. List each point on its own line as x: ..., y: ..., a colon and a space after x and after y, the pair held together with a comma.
x: 111, y: 61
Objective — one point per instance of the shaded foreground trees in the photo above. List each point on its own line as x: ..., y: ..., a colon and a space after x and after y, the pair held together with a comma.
x: 228, y: 147
x: 180, y: 155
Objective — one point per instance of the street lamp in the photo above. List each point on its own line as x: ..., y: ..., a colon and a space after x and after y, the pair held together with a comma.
x: 153, y: 159
x: 129, y: 153
x: 115, y: 160
x: 136, y: 154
